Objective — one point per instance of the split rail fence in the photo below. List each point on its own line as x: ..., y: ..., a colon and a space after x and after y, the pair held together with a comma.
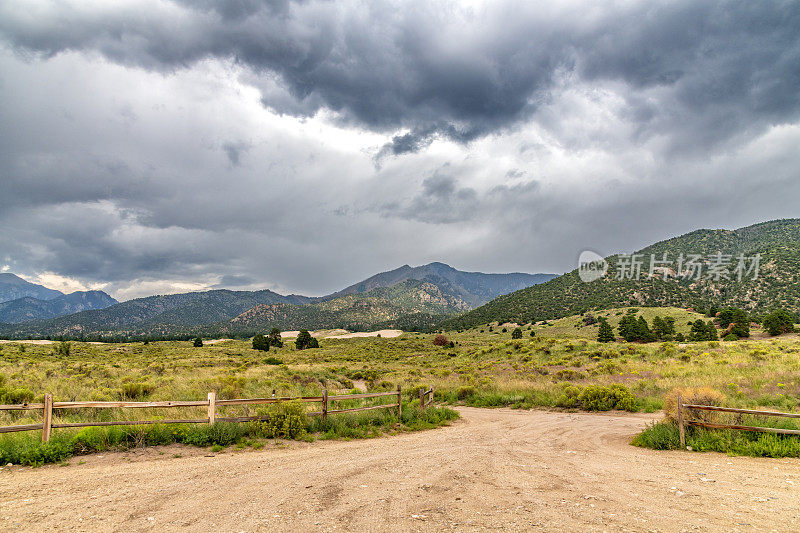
x: 211, y: 404
x: 425, y: 398
x: 683, y: 422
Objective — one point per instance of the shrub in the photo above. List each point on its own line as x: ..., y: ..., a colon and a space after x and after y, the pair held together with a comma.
x: 440, y: 340
x: 731, y: 337
x: 466, y: 392
x: 600, y: 398
x: 695, y: 395
x: 568, y: 374
x: 261, y: 343
x: 15, y: 394
x: 137, y: 389
x: 272, y: 361
x: 568, y: 397
x: 287, y: 420
x: 517, y: 333
x: 198, y: 342
x: 778, y: 322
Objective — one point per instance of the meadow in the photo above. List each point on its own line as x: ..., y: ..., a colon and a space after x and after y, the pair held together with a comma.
x: 560, y: 366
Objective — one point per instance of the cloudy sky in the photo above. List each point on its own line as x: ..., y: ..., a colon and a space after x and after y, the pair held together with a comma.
x: 152, y: 146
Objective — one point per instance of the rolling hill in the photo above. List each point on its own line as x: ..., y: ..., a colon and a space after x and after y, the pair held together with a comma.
x: 777, y: 284
x: 28, y: 308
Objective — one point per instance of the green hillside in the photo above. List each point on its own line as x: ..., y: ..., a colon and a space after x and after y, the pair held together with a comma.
x: 777, y: 284
x: 411, y: 304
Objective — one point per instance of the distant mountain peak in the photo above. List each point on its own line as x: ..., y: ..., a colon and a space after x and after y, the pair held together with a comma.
x: 474, y: 288
x: 13, y: 287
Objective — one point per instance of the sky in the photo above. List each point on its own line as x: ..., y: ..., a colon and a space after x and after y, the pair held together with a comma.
x: 158, y: 146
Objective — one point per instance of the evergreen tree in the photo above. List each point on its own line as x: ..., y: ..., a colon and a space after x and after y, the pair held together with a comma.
x: 275, y: 338
x: 517, y: 333
x: 606, y: 332
x: 198, y: 342
x: 303, y: 339
x: 260, y: 342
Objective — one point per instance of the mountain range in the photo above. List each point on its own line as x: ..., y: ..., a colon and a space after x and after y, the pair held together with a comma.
x: 21, y: 300
x: 437, y: 296
x: 776, y: 285
x: 407, y: 297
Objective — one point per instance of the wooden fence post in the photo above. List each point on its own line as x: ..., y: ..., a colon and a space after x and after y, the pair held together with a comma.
x: 212, y: 407
x: 421, y: 399
x: 47, y: 420
x: 324, y: 404
x: 681, y: 427
x: 399, y: 403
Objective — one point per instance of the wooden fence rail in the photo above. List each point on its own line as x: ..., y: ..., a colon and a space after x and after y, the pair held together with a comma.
x: 683, y: 422
x: 211, y: 404
x: 423, y: 394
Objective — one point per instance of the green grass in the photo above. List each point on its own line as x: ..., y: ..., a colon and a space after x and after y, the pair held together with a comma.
x: 27, y: 448
x: 664, y: 436
x: 483, y: 369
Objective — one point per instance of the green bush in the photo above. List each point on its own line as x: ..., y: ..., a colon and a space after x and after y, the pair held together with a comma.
x: 287, y: 420
x: 600, y: 398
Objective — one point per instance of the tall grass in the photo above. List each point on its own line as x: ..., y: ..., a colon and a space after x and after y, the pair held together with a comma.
x: 285, y: 422
x: 664, y: 436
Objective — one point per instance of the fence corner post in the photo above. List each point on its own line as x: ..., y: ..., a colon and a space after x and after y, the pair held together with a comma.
x: 47, y: 418
x: 681, y: 423
x: 212, y: 407
x: 324, y: 405
x: 421, y: 399
x: 399, y: 403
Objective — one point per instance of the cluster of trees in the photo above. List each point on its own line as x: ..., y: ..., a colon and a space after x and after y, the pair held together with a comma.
x: 260, y: 342
x: 305, y: 340
x: 634, y: 329
x: 703, y: 331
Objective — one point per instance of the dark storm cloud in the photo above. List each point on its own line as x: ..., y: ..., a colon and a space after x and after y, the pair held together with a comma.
x: 134, y: 148
x: 440, y: 70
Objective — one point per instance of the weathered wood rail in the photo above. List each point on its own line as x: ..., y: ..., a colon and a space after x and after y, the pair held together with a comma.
x: 425, y: 398
x: 211, y: 404
x: 683, y: 422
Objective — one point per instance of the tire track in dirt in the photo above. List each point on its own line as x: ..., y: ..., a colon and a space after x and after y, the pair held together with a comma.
x: 496, y: 469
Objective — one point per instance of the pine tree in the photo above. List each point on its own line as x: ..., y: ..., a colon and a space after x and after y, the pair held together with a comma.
x: 198, y: 342
x: 303, y: 340
x: 516, y: 334
x: 606, y: 332
x: 260, y: 342
x: 275, y: 338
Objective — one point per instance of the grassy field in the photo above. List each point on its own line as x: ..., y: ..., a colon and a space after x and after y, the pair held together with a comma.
x: 561, y: 367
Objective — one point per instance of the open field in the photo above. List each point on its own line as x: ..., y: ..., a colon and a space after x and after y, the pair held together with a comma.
x: 496, y: 469
x: 482, y: 368
x: 559, y: 367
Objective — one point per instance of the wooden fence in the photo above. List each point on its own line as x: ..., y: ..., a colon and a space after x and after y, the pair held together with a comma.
x: 425, y: 398
x: 682, y: 422
x: 211, y: 404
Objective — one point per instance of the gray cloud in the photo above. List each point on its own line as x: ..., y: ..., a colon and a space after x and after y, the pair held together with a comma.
x: 167, y: 145
x: 438, y: 69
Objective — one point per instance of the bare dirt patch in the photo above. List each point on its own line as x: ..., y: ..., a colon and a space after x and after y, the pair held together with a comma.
x: 495, y: 469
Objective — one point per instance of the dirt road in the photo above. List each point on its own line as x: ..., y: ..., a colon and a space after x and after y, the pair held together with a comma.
x: 495, y: 469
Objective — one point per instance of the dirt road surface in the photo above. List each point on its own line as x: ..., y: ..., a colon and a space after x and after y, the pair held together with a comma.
x: 494, y: 470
